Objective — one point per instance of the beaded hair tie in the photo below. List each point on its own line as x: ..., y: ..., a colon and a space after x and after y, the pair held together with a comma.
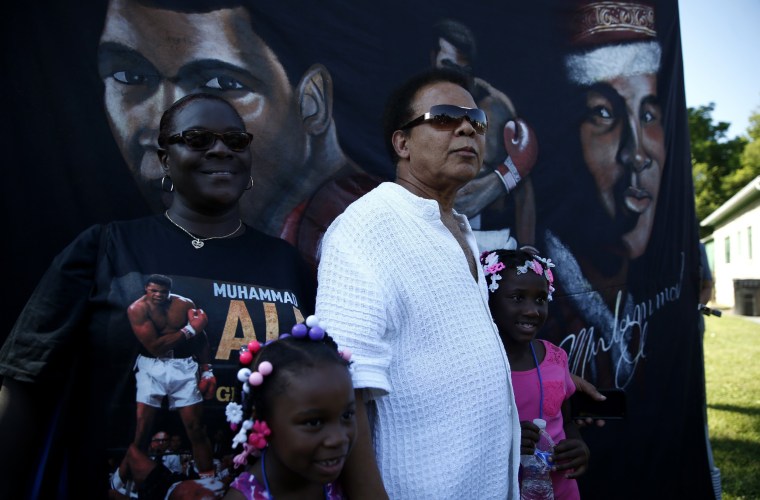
x: 253, y: 433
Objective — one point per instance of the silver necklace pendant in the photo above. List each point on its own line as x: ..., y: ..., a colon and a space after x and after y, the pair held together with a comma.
x: 197, y: 242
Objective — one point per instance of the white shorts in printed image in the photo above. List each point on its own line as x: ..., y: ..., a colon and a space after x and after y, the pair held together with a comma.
x: 173, y: 378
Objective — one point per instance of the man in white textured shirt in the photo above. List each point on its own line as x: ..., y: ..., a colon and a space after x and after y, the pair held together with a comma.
x: 400, y: 285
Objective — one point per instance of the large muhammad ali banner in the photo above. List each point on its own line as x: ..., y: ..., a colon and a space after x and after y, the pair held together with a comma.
x: 603, y: 150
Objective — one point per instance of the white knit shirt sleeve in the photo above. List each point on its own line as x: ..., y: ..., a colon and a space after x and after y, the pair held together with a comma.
x: 351, y: 307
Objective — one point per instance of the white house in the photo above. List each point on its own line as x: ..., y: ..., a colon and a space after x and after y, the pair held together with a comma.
x: 733, y: 249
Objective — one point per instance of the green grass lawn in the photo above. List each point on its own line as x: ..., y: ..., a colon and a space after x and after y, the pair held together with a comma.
x: 732, y: 370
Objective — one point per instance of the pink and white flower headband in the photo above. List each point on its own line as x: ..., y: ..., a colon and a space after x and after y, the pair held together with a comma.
x: 492, y: 268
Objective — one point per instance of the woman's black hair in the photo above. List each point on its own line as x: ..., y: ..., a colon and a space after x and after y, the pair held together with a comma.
x: 167, y: 119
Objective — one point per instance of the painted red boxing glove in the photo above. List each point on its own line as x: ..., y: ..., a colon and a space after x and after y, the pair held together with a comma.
x: 196, y: 322
x: 522, y: 151
x: 207, y: 382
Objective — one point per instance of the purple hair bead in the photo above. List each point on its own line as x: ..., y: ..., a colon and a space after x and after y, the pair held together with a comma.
x: 316, y: 333
x: 299, y: 331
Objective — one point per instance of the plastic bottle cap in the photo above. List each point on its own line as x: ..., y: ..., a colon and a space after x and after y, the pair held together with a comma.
x: 540, y: 422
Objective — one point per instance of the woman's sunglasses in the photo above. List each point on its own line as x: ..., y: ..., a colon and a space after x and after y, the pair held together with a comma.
x: 201, y: 140
x: 448, y: 117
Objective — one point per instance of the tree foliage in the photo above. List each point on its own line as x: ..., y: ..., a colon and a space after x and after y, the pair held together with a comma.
x: 717, y: 165
x: 750, y: 159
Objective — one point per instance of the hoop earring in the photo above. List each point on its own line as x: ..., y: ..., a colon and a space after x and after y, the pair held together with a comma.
x: 163, y: 184
x: 247, y: 188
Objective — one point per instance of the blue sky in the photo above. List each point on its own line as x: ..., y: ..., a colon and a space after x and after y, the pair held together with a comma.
x: 721, y: 52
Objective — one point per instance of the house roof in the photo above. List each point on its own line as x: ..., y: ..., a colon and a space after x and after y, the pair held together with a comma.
x: 738, y: 201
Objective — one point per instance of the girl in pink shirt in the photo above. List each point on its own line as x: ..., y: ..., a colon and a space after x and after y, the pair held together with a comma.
x: 520, y: 286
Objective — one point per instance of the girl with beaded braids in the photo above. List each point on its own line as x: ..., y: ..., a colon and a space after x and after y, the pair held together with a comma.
x: 520, y: 285
x: 296, y: 425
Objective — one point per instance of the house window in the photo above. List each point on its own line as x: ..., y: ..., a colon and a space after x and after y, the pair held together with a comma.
x: 738, y: 243
x: 728, y: 249
x: 749, y: 242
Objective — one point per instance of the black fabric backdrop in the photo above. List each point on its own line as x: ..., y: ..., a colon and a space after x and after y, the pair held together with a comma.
x: 64, y: 172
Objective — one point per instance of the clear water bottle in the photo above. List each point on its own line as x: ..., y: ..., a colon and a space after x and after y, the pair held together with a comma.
x: 536, y: 481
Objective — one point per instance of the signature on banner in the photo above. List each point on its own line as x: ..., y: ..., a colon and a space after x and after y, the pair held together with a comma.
x: 624, y: 336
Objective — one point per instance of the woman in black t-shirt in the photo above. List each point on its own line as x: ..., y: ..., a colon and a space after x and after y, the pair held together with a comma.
x: 138, y: 323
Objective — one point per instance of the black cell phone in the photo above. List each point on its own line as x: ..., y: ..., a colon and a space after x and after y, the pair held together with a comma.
x: 612, y: 408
